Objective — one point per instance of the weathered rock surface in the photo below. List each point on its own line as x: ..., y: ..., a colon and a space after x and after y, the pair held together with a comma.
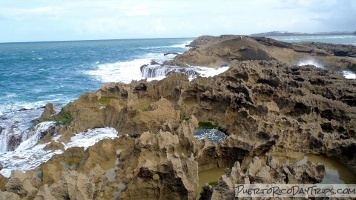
x: 217, y: 51
x: 48, y: 112
x: 24, y: 185
x: 335, y: 49
x: 264, y: 107
x: 269, y: 171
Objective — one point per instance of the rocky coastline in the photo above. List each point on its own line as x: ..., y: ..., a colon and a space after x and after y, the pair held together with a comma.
x: 267, y: 105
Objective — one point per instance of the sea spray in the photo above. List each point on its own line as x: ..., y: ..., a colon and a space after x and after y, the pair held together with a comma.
x: 29, y: 155
x: 160, y: 72
x: 346, y: 74
x: 31, y: 138
x: 349, y: 75
x: 310, y: 62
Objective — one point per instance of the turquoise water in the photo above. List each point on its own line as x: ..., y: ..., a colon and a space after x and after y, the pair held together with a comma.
x: 32, y: 74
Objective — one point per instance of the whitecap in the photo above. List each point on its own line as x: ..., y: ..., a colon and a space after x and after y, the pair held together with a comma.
x: 119, y: 72
x: 182, y: 45
x: 125, y: 71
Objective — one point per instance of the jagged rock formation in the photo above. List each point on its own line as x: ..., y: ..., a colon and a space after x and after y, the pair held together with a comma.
x: 269, y: 171
x: 265, y: 107
x: 48, y: 112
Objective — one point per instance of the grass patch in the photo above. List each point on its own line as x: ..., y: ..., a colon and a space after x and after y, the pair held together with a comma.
x: 65, y: 118
x: 209, y: 125
x: 73, y: 161
x: 105, y: 100
x: 144, y: 106
x: 213, y: 183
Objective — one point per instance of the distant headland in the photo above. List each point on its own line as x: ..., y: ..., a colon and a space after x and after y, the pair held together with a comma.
x: 286, y: 33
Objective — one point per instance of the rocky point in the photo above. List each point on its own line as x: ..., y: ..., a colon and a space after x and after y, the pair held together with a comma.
x: 265, y: 103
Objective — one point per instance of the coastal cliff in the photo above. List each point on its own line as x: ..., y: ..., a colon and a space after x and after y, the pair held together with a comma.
x: 266, y: 105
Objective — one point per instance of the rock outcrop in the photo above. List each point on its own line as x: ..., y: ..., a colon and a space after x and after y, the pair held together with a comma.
x: 217, y: 51
x: 48, y: 112
x: 267, y: 172
x: 265, y: 107
x: 335, y: 49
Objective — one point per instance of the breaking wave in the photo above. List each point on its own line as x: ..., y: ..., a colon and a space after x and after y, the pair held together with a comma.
x: 310, y: 62
x: 29, y: 155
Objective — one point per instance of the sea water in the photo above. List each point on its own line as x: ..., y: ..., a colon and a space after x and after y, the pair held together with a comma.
x: 35, y: 73
x: 334, y: 39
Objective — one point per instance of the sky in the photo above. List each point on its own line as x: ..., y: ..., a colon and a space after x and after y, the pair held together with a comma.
x: 60, y: 20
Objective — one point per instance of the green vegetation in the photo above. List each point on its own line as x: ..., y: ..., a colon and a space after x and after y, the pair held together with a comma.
x: 73, y: 161
x: 65, y: 118
x: 209, y: 125
x: 144, y: 106
x: 213, y: 183
x: 105, y: 100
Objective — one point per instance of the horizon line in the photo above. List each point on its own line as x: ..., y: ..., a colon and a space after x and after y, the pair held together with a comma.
x: 88, y: 40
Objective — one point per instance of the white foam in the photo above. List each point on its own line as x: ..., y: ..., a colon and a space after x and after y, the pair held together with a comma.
x: 182, y: 45
x: 349, y: 75
x: 126, y: 71
x: 214, y: 135
x: 90, y: 137
x: 30, y: 138
x: 160, y: 71
x: 30, y: 155
x: 25, y: 159
x: 210, y: 72
x: 310, y: 62
x: 120, y: 71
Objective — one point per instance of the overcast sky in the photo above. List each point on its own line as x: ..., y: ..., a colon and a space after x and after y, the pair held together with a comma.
x: 52, y: 20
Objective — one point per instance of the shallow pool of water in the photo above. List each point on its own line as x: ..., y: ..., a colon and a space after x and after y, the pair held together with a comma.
x: 335, y: 171
x: 209, y: 176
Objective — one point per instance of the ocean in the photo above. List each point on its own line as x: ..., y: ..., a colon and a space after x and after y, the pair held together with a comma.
x: 32, y: 74
x: 334, y: 39
x: 35, y: 73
